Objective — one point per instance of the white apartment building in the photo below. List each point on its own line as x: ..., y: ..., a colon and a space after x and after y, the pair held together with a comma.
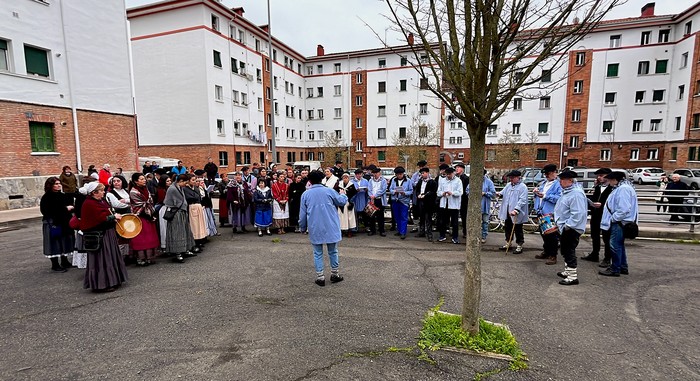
x: 64, y: 88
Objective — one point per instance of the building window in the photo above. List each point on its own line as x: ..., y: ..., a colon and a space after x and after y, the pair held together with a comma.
x: 661, y: 66
x: 358, y: 78
x: 381, y: 87
x: 541, y: 154
x: 236, y: 128
x: 319, y: 69
x: 658, y: 96
x: 516, y: 128
x: 402, y: 132
x: 381, y: 111
x: 637, y: 125
x: 234, y: 97
x: 643, y: 68
x: 402, y: 109
x: 613, y: 70
x: 655, y: 125
x: 674, y: 153
x: 546, y: 75
x: 608, y: 126
x: 576, y: 115
x: 4, y: 56
x: 634, y: 154
x: 381, y: 155
x: 309, y: 70
x: 459, y: 140
x: 337, y: 112
x: 684, y: 60
x: 310, y: 114
x: 319, y: 92
x: 358, y: 122
x: 688, y: 28
x: 692, y: 152
x: 639, y: 97
x: 543, y: 128
x: 681, y: 92
x: 220, y: 130
x: 246, y: 157
x: 517, y: 104
x: 358, y: 146
x: 336, y: 90
x: 219, y: 93
x: 610, y: 98
x: 223, y: 159
x: 42, y: 137
x: 646, y: 37
x: 491, y: 130
x: 321, y: 156
x: 215, y: 22
x: 37, y: 61
x: 424, y: 84
x: 234, y: 65
x: 580, y: 58
x: 678, y: 124
x: 381, y: 133
x: 578, y: 87
x: 573, y: 142
x: 217, y: 59
x: 241, y: 36
x: 423, y: 108
x: 320, y: 113
x: 653, y: 154
x: 490, y: 155
x: 545, y: 102
x: 404, y: 61
x: 358, y: 100
x: 320, y: 135
x: 664, y: 35
x: 382, y: 63
x: 402, y: 85
x: 309, y: 92
x: 453, y: 140
x: 268, y: 92
x: 605, y: 155
x: 311, y: 135
x: 336, y: 67
x: 615, y: 41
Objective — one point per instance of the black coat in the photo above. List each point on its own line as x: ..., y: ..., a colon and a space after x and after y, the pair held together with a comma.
x: 676, y: 195
x: 601, y: 197
x: 427, y: 203
x: 465, y: 196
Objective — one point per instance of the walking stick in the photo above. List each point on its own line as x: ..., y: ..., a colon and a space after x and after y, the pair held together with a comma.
x: 511, y: 234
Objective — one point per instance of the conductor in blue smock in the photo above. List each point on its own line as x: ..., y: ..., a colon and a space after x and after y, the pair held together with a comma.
x: 318, y: 215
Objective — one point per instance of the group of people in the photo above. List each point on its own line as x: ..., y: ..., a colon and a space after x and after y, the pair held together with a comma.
x: 561, y: 207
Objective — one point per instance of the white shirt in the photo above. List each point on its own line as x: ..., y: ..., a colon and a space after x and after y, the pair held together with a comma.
x: 547, y: 185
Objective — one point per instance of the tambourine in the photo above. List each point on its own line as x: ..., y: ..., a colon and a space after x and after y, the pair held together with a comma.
x: 129, y: 226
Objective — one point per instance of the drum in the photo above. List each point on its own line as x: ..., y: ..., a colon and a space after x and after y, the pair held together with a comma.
x: 370, y: 209
x: 129, y: 226
x: 547, y: 225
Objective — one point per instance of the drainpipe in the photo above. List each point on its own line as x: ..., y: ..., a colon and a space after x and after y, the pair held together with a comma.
x: 74, y: 111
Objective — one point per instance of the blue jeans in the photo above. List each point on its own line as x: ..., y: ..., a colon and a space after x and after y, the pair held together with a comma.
x: 617, y: 247
x: 332, y: 255
x: 484, y: 225
x: 400, y: 216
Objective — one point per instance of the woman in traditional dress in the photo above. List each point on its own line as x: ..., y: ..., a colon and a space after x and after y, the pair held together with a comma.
x: 296, y: 189
x: 263, y: 207
x: 221, y: 187
x: 208, y: 206
x: 105, y: 266
x: 280, y: 204
x: 178, y: 239
x: 330, y: 181
x: 346, y: 213
x: 145, y: 244
x: 240, y: 200
x: 161, y: 190
x: 59, y: 238
x: 120, y: 201
x: 194, y: 202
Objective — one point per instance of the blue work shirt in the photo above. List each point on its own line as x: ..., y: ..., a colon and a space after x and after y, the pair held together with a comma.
x: 514, y: 198
x: 620, y: 207
x: 545, y: 205
x: 319, y: 214
x: 360, y: 198
x: 404, y: 196
x: 488, y: 190
x: 572, y: 209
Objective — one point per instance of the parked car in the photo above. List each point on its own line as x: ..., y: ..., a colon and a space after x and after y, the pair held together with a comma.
x: 689, y: 176
x: 644, y: 175
x: 533, y: 177
x: 587, y: 177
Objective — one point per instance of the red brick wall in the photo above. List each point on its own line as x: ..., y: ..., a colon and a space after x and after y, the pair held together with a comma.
x: 577, y: 101
x: 359, y: 112
x: 98, y: 138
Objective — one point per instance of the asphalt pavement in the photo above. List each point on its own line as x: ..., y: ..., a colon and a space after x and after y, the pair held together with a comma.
x: 247, y: 309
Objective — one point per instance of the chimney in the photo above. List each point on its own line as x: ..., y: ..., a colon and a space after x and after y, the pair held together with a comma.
x: 648, y: 10
x: 319, y: 50
x: 238, y: 10
x: 265, y: 28
x: 410, y: 38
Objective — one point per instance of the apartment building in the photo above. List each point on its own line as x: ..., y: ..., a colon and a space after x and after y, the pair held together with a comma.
x: 65, y: 91
x: 203, y: 89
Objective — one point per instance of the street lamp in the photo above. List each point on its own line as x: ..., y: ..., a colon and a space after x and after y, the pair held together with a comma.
x: 405, y: 160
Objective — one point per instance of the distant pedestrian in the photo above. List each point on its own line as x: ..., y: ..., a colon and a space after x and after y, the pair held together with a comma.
x: 675, y: 191
x: 59, y: 238
x: 211, y: 170
x: 318, y: 215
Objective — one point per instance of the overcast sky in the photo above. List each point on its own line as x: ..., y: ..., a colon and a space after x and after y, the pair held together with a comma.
x: 341, y: 25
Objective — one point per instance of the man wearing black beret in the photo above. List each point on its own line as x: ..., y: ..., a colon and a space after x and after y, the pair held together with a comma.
x: 601, y: 191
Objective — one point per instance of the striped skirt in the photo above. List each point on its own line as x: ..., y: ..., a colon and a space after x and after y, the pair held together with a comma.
x: 105, y: 268
x: 179, y: 238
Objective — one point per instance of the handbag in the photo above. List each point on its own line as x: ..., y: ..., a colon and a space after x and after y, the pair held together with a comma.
x: 74, y: 222
x: 631, y: 230
x: 55, y: 231
x: 92, y: 241
x: 169, y: 214
x: 370, y: 209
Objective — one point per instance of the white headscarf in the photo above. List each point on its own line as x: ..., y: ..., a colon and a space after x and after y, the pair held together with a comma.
x: 89, y: 188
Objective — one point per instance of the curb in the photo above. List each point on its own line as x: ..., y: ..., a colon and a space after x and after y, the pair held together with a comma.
x: 18, y: 224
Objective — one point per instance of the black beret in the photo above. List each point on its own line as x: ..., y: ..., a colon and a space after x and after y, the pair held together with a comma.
x: 371, y: 167
x: 603, y: 171
x: 513, y: 173
x: 460, y: 165
x: 338, y: 162
x: 449, y: 170
x: 376, y: 170
x: 549, y: 168
x: 422, y: 163
x: 245, y: 169
x: 316, y: 176
x: 443, y: 167
x: 399, y: 169
x: 424, y: 169
x: 199, y: 172
x: 359, y: 170
x: 616, y: 176
x: 568, y: 175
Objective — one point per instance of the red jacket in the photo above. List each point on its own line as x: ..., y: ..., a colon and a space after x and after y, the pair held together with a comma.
x: 104, y: 176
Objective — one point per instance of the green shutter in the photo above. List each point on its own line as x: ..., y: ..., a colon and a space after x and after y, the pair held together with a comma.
x: 41, y: 136
x: 37, y: 61
x: 217, y: 59
x: 661, y: 66
x: 3, y: 44
x: 613, y: 70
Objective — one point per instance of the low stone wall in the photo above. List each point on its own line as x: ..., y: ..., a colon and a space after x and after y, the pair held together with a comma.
x: 21, y: 192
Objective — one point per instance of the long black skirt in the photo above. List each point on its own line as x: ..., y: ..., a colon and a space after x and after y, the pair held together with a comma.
x: 57, y: 246
x: 105, y: 268
x: 179, y: 238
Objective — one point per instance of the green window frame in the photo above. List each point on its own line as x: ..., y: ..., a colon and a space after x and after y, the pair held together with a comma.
x: 42, y: 137
x: 541, y: 154
x: 543, y: 128
x: 613, y: 69
x: 37, y: 61
x: 661, y: 66
x: 381, y: 155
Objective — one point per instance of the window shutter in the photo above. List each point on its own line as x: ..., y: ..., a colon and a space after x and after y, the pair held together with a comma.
x: 37, y: 61
x: 3, y: 44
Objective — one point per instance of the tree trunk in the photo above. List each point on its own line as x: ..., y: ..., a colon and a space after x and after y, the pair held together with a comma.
x: 472, y: 272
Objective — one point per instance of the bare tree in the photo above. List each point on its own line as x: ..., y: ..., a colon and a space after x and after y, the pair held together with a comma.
x: 510, y: 150
x: 476, y: 56
x: 415, y: 139
x: 333, y: 148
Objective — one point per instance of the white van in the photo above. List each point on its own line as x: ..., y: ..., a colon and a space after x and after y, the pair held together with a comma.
x: 163, y: 162
x: 308, y: 165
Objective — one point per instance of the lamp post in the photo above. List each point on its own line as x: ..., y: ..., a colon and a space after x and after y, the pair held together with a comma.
x: 405, y: 160
x: 273, y: 145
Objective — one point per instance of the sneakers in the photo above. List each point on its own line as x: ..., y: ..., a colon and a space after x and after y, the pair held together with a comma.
x: 455, y: 241
x: 335, y: 278
x: 442, y: 239
x: 504, y: 247
x: 320, y: 281
x: 403, y: 236
x: 260, y: 233
x: 518, y: 250
x: 570, y: 275
x: 609, y: 272
x: 178, y: 258
x: 591, y: 257
x: 568, y: 282
x: 625, y: 271
x: 483, y: 240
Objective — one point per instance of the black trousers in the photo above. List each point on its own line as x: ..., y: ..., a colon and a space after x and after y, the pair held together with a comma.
x: 378, y: 217
x: 550, y: 244
x: 595, y: 236
x: 569, y: 241
x: 449, y: 216
x: 519, y: 236
x: 463, y: 216
x: 425, y: 216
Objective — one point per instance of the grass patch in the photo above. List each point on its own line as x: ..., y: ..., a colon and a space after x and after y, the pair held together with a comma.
x: 443, y: 330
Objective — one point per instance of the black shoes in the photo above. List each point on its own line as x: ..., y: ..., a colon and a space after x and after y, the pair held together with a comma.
x: 178, y: 258
x: 371, y: 233
x: 321, y: 282
x: 403, y: 236
x: 568, y: 281
x: 382, y: 234
x: 455, y: 241
x: 605, y: 263
x: 608, y: 272
x: 397, y: 233
x: 58, y: 269
x: 189, y: 254
x: 591, y: 257
x: 335, y: 278
x: 625, y: 271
